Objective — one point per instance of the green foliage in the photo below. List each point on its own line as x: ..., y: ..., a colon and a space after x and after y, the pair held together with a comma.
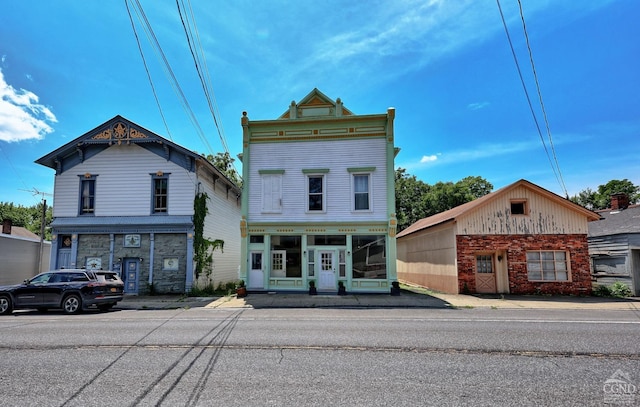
x: 208, y: 290
x: 416, y: 200
x: 601, y: 291
x: 202, y: 247
x: 410, y: 206
x: 601, y: 199
x: 617, y: 289
x: 620, y: 289
x: 224, y: 163
x: 29, y: 217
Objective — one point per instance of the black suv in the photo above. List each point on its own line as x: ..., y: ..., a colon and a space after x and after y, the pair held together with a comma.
x: 71, y: 290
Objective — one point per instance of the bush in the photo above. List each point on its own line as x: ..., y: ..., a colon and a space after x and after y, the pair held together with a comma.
x: 620, y: 289
x: 206, y: 290
x: 602, y: 291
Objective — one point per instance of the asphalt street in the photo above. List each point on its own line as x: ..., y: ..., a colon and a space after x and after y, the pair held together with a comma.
x: 362, y: 356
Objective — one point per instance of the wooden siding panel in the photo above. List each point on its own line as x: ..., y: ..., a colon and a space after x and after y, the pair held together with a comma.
x: 612, y: 245
x: 428, y: 259
x: 123, y: 184
x: 223, y: 222
x: 337, y: 156
x: 544, y: 217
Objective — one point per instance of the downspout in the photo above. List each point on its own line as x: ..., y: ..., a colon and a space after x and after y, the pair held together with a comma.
x: 152, y: 245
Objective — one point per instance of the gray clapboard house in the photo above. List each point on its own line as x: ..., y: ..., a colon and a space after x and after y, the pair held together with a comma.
x: 124, y: 200
x: 614, y: 244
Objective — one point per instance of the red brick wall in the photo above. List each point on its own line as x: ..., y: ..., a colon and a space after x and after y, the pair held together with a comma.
x: 516, y: 247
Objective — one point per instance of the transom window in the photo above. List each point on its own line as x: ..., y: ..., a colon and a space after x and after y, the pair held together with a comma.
x: 547, y: 266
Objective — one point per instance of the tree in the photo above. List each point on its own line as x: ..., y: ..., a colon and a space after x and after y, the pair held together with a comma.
x: 28, y: 217
x: 586, y: 198
x: 224, y: 163
x: 410, y: 205
x: 601, y: 199
x: 416, y: 200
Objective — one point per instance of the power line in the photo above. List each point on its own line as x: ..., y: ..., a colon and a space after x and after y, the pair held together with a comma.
x: 169, y: 72
x: 544, y: 112
x: 524, y: 87
x: 195, y: 48
x: 144, y: 61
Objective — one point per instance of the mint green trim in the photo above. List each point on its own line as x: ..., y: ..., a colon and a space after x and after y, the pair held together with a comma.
x: 361, y: 169
x: 261, y: 172
x: 315, y: 171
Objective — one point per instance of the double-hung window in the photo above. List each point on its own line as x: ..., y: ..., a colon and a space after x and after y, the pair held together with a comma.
x: 316, y: 189
x: 548, y: 266
x: 361, y: 188
x: 87, y: 194
x: 160, y: 193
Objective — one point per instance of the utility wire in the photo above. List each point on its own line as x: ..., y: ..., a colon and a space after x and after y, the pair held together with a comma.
x: 146, y: 68
x: 209, y: 82
x: 169, y: 72
x: 195, y: 48
x: 544, y: 112
x: 524, y: 87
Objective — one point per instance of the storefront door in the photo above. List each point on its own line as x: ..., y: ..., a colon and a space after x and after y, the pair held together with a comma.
x: 256, y: 272
x: 327, y: 271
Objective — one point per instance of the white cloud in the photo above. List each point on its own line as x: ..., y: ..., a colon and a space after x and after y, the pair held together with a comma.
x: 429, y: 158
x: 477, y: 105
x: 21, y: 116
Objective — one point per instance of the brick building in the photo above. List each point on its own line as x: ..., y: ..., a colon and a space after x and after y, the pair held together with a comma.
x: 521, y: 239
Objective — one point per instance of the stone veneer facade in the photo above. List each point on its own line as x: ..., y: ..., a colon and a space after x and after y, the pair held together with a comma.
x: 167, y: 245
x: 516, y: 247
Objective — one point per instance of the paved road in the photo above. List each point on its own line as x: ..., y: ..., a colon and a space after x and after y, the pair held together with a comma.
x: 282, y: 357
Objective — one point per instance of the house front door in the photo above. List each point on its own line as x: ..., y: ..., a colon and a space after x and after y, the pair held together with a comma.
x: 485, y: 274
x: 131, y: 267
x: 256, y: 272
x: 327, y: 272
x: 64, y: 259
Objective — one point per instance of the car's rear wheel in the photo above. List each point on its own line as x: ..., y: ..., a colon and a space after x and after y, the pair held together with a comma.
x: 6, y: 307
x: 72, y: 304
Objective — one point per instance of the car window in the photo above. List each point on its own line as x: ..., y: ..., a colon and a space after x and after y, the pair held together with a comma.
x: 41, y: 278
x: 79, y: 277
x: 107, y: 277
x: 56, y: 278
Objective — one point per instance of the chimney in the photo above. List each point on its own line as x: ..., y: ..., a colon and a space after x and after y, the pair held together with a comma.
x: 6, y: 226
x: 619, y: 201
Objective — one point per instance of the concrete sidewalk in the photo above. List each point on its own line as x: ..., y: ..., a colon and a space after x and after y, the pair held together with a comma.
x: 409, y: 298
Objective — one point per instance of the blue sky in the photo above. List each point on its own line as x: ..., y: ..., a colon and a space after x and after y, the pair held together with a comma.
x: 446, y: 66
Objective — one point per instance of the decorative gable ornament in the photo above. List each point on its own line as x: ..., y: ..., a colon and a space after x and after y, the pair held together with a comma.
x: 119, y: 133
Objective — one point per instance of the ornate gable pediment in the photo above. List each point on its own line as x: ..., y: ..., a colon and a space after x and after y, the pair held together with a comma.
x: 117, y: 132
x: 316, y: 105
